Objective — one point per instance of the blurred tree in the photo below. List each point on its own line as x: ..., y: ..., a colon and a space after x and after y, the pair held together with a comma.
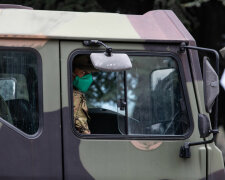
x: 127, y: 6
x: 179, y: 10
x: 65, y: 5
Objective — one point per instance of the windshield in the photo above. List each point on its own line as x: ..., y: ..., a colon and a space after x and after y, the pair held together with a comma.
x: 147, y: 99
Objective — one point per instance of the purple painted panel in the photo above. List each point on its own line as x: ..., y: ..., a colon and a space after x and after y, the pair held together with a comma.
x: 39, y: 158
x: 159, y: 25
x: 73, y: 168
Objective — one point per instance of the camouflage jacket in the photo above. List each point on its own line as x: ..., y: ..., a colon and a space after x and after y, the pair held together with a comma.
x: 80, y: 110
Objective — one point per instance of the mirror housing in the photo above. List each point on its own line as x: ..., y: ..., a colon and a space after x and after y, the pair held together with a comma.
x: 114, y: 62
x: 222, y: 52
x: 203, y: 126
x: 211, y: 84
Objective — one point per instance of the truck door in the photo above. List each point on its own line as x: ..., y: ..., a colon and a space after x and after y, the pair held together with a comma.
x: 30, y: 134
x: 139, y: 119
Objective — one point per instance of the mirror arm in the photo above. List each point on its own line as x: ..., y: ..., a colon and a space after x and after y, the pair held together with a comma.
x: 98, y: 43
x: 214, y: 131
x: 183, y: 47
x: 185, y: 149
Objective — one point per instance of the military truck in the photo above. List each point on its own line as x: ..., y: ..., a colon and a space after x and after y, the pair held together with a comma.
x: 149, y: 102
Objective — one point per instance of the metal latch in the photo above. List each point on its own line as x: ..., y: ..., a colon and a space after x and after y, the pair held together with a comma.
x: 122, y: 104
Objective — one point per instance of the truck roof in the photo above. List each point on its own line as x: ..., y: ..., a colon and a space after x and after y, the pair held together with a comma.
x: 158, y: 25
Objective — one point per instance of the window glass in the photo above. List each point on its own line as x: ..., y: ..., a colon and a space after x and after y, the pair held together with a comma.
x: 19, y: 89
x: 146, y: 100
x: 102, y: 103
x: 103, y: 91
x: 8, y: 88
x: 155, y: 97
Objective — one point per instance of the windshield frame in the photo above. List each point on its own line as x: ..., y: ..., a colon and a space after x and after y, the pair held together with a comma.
x: 174, y: 56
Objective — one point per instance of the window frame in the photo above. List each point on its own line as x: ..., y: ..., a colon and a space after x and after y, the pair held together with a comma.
x: 39, y: 90
x: 174, y: 56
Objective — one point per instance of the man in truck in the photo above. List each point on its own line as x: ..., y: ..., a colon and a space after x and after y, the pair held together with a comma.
x: 81, y: 82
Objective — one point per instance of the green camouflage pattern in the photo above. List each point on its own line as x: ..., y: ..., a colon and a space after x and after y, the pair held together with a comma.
x: 48, y: 32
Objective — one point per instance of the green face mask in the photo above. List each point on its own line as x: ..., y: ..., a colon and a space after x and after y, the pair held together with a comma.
x: 83, y: 83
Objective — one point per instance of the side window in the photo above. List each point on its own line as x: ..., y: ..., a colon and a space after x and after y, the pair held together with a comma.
x: 102, y: 103
x: 145, y: 100
x: 155, y: 97
x: 19, y: 89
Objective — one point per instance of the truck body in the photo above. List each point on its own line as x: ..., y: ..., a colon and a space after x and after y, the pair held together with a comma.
x: 140, y: 138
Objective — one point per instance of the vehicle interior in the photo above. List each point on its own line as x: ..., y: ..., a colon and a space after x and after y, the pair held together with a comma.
x: 104, y: 107
x: 19, y: 95
x: 103, y: 120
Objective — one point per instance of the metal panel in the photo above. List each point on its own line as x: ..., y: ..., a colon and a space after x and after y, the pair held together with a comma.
x: 126, y: 158
x: 38, y: 156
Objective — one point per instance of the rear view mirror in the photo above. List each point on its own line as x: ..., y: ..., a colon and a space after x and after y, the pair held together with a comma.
x: 114, y: 62
x: 211, y: 84
x: 203, y: 125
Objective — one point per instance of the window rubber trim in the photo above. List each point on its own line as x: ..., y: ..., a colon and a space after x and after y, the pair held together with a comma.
x: 124, y: 136
x: 40, y: 94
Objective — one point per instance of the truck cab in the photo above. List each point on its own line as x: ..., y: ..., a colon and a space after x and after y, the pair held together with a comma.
x: 147, y: 121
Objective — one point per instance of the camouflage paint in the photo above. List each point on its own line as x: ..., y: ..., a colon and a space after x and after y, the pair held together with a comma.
x: 77, y: 25
x: 216, y: 162
x: 121, y: 158
x: 51, y: 87
x: 51, y: 102
x: 146, y: 145
x: 22, y: 43
x: 37, y: 156
x: 97, y: 155
x: 218, y: 175
x: 215, y: 155
x: 73, y: 166
x: 6, y: 6
x: 97, y: 159
x: 160, y: 25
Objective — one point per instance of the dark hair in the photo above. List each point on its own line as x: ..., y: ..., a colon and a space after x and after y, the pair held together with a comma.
x: 81, y: 61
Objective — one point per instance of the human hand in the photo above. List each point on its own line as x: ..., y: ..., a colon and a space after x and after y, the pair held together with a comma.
x: 87, y: 132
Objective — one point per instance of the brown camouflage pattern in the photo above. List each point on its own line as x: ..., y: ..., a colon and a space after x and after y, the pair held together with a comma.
x: 160, y: 25
x: 22, y: 43
x: 55, y: 152
x: 80, y: 110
